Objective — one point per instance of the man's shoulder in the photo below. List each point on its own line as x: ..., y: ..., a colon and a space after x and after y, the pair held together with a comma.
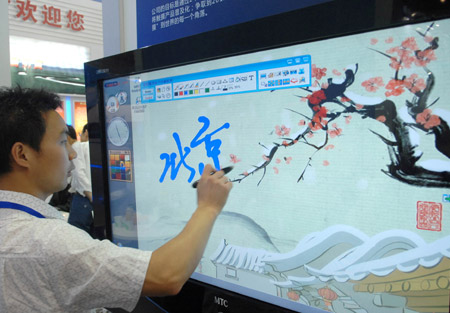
x: 19, y: 197
x: 29, y: 201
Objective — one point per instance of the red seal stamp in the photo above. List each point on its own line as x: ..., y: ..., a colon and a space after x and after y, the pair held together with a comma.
x: 429, y: 215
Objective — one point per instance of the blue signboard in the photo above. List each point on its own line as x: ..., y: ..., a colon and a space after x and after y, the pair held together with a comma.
x: 164, y: 20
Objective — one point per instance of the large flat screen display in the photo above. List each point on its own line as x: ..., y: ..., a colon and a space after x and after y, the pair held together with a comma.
x: 340, y: 152
x: 335, y: 121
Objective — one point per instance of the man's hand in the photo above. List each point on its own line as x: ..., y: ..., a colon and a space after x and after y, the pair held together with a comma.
x: 213, y: 190
x: 88, y: 194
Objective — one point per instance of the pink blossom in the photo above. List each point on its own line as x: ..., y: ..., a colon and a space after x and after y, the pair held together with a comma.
x: 265, y: 158
x: 288, y: 160
x: 395, y: 64
x: 334, y: 132
x: 321, y: 111
x: 373, y: 84
x: 359, y: 106
x: 381, y: 118
x: 329, y: 147
x: 393, y: 50
x: 404, y: 60
x: 373, y: 41
x: 317, y: 97
x: 403, y: 53
x: 278, y: 161
x: 389, y: 40
x: 234, y: 159
x: 424, y: 57
x: 318, y: 121
x: 410, y: 43
x: 326, y: 163
x: 433, y: 121
x: 316, y: 125
x: 428, y: 120
x: 414, y: 84
x: 422, y: 118
x: 301, y: 123
x: 408, y: 61
x: 347, y: 119
x: 275, y: 170
x: 395, y: 87
x: 318, y: 72
x: 336, y: 72
x: 282, y: 130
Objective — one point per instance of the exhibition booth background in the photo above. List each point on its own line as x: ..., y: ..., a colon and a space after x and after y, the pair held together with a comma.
x: 49, y: 42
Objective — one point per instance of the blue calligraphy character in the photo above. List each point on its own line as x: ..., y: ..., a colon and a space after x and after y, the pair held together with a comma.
x: 171, y: 159
x: 201, y: 167
x: 212, y: 147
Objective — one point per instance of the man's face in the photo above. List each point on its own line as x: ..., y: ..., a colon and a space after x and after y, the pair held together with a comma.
x: 53, y: 163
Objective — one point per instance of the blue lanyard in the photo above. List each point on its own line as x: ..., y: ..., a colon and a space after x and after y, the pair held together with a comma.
x: 16, y: 206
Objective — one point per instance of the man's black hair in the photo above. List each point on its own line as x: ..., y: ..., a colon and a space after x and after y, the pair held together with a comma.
x: 72, y: 132
x: 85, y: 128
x: 22, y: 120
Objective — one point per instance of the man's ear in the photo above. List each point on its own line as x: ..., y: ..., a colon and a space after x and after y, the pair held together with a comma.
x: 20, y: 154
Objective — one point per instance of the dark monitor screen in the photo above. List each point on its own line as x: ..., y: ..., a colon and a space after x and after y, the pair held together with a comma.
x: 340, y: 151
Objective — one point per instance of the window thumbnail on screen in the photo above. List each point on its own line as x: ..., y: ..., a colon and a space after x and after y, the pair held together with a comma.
x: 341, y: 175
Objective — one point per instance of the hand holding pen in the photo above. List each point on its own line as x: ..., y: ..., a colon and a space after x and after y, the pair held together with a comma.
x: 225, y: 170
x: 213, y: 189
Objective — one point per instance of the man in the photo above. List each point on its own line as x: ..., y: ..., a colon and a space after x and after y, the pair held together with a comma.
x: 47, y: 265
x: 81, y: 209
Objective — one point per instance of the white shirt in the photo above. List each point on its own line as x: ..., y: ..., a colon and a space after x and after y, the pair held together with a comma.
x: 81, y: 175
x: 47, y: 265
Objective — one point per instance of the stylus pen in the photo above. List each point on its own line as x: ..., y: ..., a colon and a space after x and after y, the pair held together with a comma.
x: 226, y: 170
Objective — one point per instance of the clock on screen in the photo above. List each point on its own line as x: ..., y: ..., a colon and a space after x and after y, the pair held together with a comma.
x: 118, y: 131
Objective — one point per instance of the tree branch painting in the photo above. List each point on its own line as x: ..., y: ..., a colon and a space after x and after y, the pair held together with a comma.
x: 402, y: 60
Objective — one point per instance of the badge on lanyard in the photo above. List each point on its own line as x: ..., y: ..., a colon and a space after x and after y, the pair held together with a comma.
x: 19, y: 207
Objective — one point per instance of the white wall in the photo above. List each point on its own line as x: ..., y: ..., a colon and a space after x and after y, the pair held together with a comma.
x: 130, y: 25
x: 119, y: 24
x: 5, y: 74
x: 112, y: 27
